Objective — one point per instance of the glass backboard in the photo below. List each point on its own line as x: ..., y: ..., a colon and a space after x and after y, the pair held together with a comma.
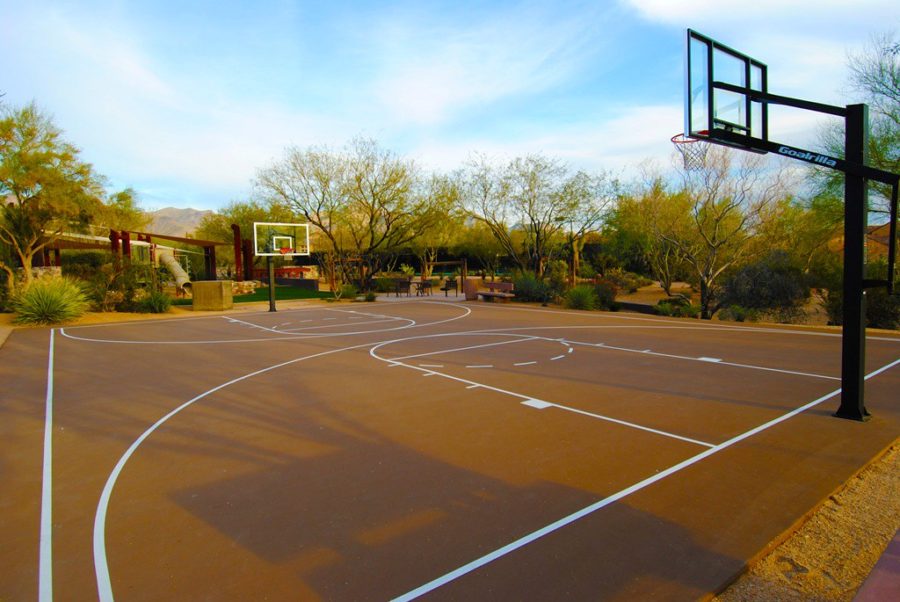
x: 717, y: 82
x: 280, y: 239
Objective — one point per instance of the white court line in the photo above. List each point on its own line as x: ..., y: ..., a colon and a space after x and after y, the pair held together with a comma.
x: 251, y: 324
x: 285, y: 336
x: 529, y: 398
x: 304, y: 329
x: 629, y: 424
x: 522, y: 339
x: 45, y: 567
x: 101, y: 567
x: 710, y: 360
x: 558, y: 357
x: 524, y: 364
x: 673, y: 324
x: 567, y: 520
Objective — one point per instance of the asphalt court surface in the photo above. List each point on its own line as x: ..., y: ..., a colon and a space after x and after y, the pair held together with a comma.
x: 425, y: 449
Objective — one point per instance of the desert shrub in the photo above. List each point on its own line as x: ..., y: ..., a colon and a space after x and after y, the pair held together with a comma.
x: 49, y: 301
x: 773, y: 285
x: 371, y: 296
x: 347, y: 291
x: 689, y: 310
x: 882, y: 310
x: 678, y: 308
x: 556, y: 275
x: 626, y: 281
x: 529, y: 288
x: 663, y: 308
x: 581, y: 297
x: 606, y: 293
x: 586, y: 270
x: 153, y: 302
x: 407, y: 270
x: 739, y: 313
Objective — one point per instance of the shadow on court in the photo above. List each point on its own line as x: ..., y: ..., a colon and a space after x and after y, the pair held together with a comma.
x: 371, y: 519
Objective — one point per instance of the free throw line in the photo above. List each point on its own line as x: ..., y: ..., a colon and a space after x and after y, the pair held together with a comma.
x: 567, y: 520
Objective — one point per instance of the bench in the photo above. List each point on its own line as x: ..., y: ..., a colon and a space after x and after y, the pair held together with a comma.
x: 499, y: 291
x: 450, y: 284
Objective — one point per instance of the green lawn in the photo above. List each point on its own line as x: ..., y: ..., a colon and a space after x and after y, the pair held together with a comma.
x: 282, y: 293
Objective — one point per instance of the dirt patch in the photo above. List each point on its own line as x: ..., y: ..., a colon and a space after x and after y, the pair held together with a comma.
x: 832, y: 553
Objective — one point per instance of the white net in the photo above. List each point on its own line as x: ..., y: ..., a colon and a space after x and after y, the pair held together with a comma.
x: 692, y: 150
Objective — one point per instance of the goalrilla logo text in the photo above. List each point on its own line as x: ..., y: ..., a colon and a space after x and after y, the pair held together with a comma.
x: 807, y: 156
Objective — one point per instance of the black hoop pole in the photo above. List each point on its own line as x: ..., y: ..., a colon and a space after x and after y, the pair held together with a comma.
x: 856, y: 208
x: 270, y: 265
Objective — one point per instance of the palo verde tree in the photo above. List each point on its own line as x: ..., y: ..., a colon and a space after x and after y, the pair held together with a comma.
x: 442, y: 228
x: 529, y: 203
x: 634, y: 229
x: 361, y: 199
x: 874, y: 79
x: 728, y: 200
x: 46, y: 188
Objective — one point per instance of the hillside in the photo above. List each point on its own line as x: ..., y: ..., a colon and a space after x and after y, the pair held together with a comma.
x: 175, y: 222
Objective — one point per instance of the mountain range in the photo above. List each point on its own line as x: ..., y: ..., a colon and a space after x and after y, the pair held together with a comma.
x: 176, y: 222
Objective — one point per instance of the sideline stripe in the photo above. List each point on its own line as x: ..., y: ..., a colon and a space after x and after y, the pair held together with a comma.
x: 515, y: 545
x: 45, y: 570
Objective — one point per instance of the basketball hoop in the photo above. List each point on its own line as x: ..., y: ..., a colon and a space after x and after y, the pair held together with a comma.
x: 693, y: 151
x: 285, y: 250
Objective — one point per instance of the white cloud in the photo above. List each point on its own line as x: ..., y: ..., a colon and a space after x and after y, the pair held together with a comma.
x: 431, y: 71
x: 618, y: 144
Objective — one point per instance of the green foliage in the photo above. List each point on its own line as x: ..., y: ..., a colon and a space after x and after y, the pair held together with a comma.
x: 626, y: 281
x: 739, y: 313
x: 606, y: 292
x: 581, y: 297
x: 556, y: 275
x: 529, y: 287
x: 282, y: 293
x: 882, y: 310
x: 773, y: 285
x: 154, y: 302
x: 678, y: 308
x: 384, y: 284
x: 47, y: 188
x: 347, y: 291
x: 407, y: 270
x: 371, y: 296
x: 49, y: 301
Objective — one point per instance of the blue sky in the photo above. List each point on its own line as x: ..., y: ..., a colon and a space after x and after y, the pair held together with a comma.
x: 185, y: 101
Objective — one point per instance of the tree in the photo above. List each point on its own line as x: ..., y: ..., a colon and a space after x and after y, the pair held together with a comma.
x: 589, y: 197
x: 217, y: 226
x: 728, y: 202
x: 633, y: 230
x: 875, y: 75
x: 477, y: 241
x: 441, y: 229
x: 528, y: 203
x: 362, y: 200
x: 48, y: 189
x: 121, y: 211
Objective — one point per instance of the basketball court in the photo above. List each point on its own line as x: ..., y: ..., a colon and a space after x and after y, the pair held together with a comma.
x: 418, y: 448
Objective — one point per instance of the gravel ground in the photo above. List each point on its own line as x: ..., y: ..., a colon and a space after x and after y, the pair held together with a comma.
x: 832, y: 553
